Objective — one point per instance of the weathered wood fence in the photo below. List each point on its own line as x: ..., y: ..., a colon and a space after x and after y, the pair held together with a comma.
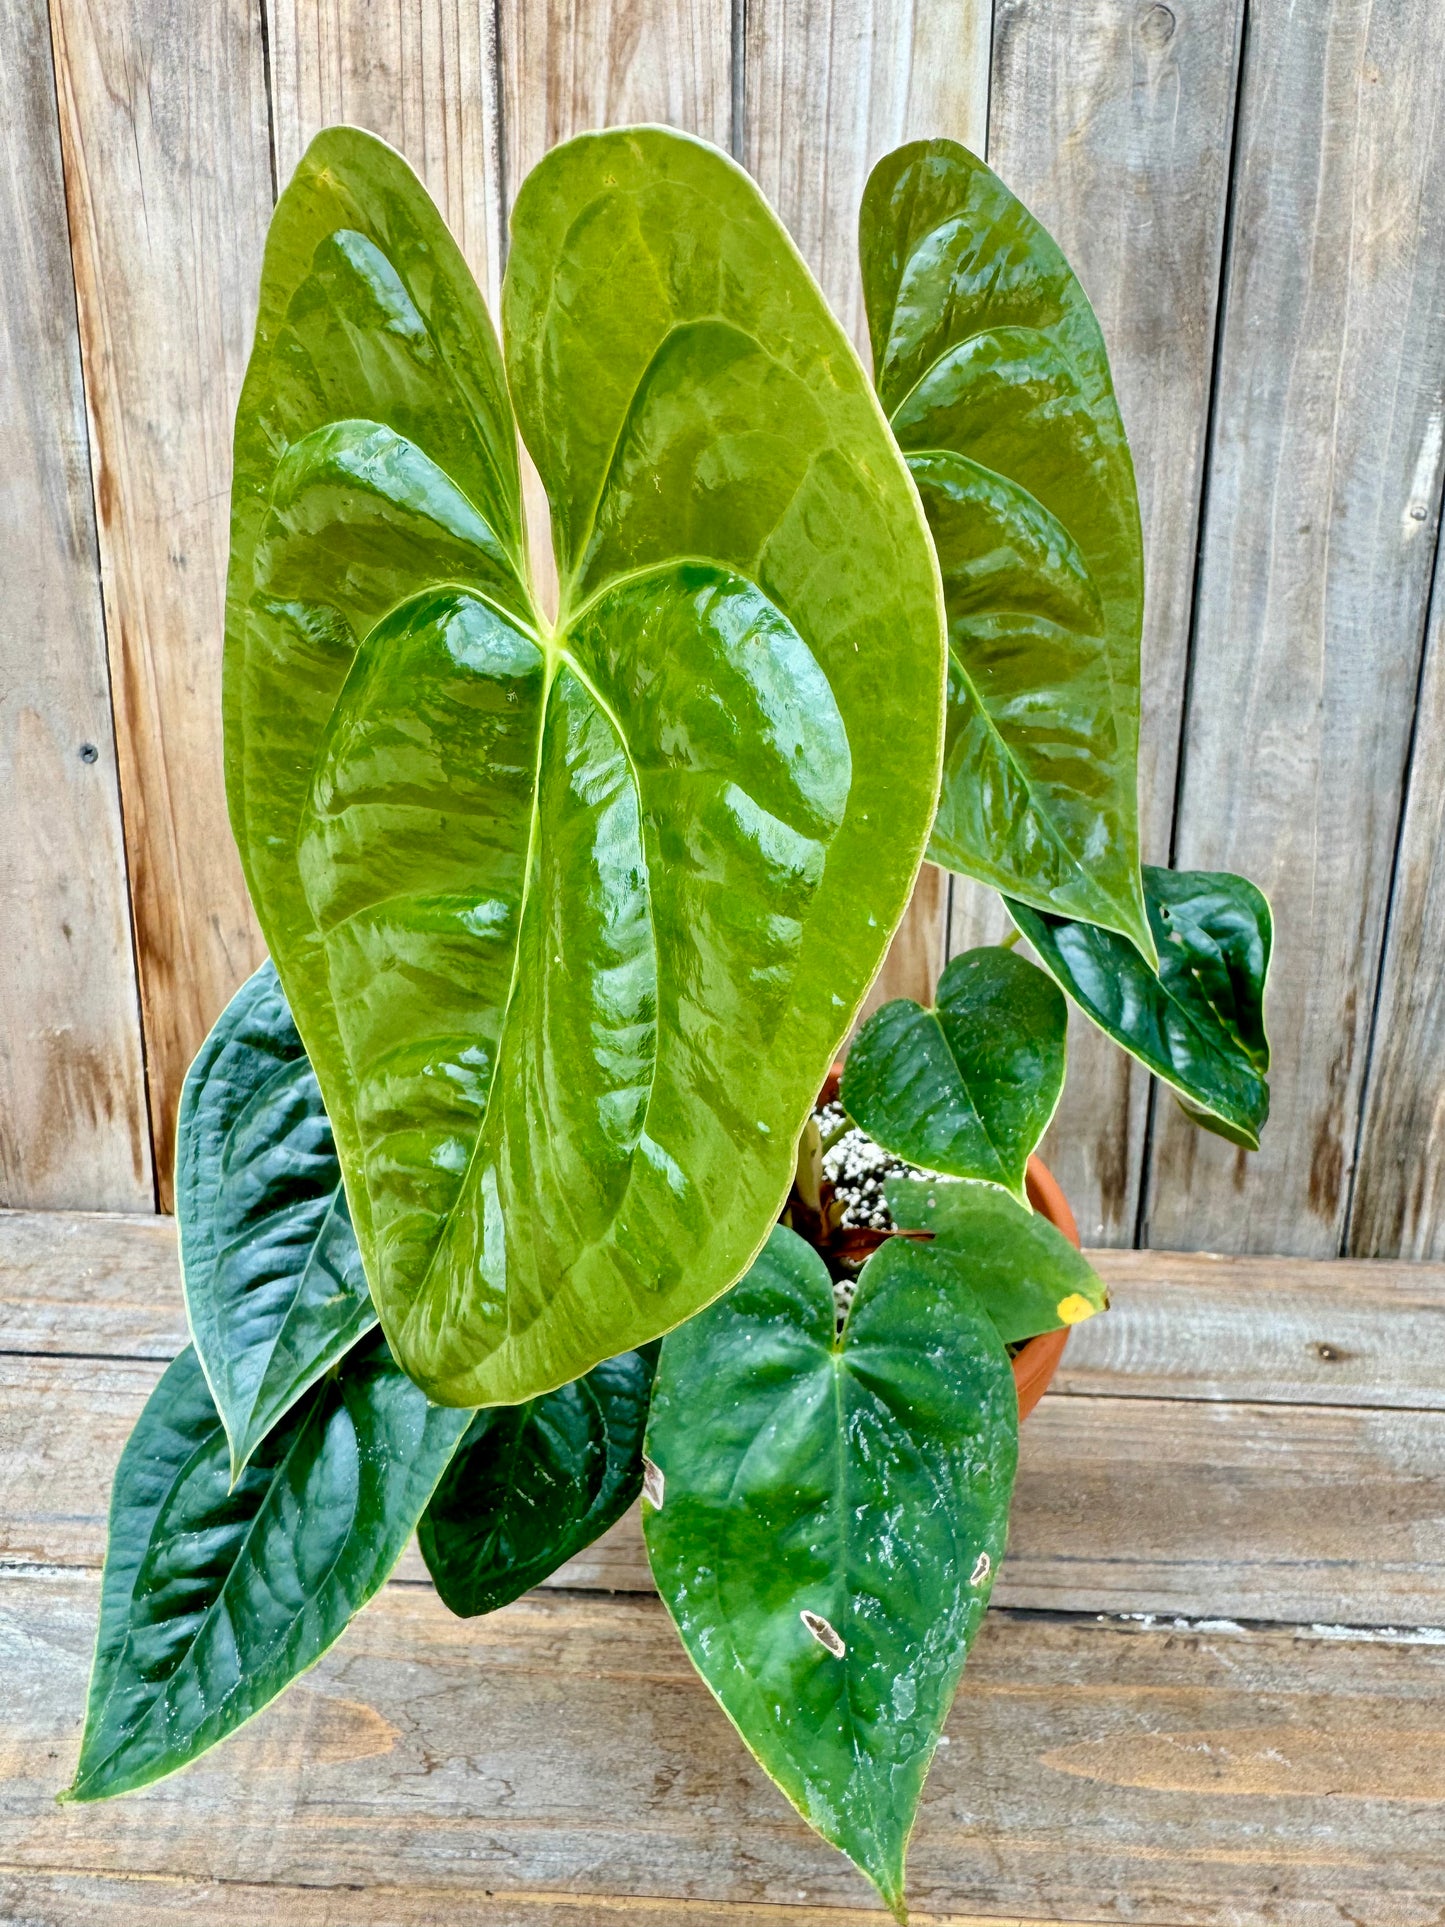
x: 1253, y: 192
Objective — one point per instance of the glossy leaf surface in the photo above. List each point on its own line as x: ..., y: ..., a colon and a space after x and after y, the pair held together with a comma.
x: 214, y: 1598
x: 1024, y: 1272
x: 991, y: 366
x: 570, y: 920
x: 834, y: 1511
x: 1198, y: 1022
x: 532, y: 1485
x: 275, y: 1290
x: 968, y: 1087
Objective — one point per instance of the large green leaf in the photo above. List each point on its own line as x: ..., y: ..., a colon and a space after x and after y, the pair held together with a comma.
x: 532, y: 1485
x: 571, y: 919
x: 1198, y: 1022
x: 968, y: 1087
x: 1026, y: 1274
x: 992, y: 368
x: 216, y: 1597
x: 833, y: 1511
x: 275, y: 1290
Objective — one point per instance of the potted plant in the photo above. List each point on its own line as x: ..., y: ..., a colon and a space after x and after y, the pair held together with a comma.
x: 567, y: 920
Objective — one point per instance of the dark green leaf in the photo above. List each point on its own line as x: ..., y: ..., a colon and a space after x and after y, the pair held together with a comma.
x: 532, y: 1485
x: 571, y: 920
x: 1027, y: 1276
x: 216, y: 1597
x: 1199, y: 1021
x: 833, y: 1513
x: 275, y: 1290
x: 991, y: 366
x: 967, y: 1088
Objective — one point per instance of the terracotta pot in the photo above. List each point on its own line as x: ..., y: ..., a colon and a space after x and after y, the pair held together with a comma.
x: 1036, y: 1361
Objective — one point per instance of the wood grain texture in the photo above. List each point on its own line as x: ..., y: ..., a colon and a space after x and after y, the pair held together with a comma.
x: 565, y: 66
x: 167, y: 1900
x: 422, y: 75
x: 570, y: 65
x: 167, y: 166
x: 1181, y: 1325
x: 1398, y: 1207
x: 1321, y: 504
x: 90, y: 1284
x: 830, y: 88
x: 1256, y: 1511
x: 1111, y: 120
x: 73, y: 1125
x: 564, y: 1747
x: 1295, y: 1331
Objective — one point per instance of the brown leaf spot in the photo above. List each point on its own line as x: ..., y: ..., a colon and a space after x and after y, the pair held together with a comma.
x: 823, y: 1633
x: 653, y: 1484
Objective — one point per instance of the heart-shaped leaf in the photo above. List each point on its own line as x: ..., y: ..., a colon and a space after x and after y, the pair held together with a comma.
x: 1024, y: 1272
x: 571, y: 919
x: 532, y: 1485
x: 968, y: 1087
x: 275, y: 1290
x: 992, y: 368
x: 1198, y: 1022
x: 833, y: 1510
x: 216, y: 1597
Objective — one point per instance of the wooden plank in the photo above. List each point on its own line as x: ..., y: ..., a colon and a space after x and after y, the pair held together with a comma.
x: 565, y: 66
x: 1112, y: 121
x: 90, y: 1285
x: 167, y: 1900
x: 1263, y: 1330
x: 1398, y: 1208
x: 421, y: 73
x: 564, y: 1747
x: 1319, y: 530
x: 1256, y: 1511
x: 168, y: 174
x: 569, y: 65
x: 830, y: 88
x: 1180, y: 1325
x: 72, y: 1080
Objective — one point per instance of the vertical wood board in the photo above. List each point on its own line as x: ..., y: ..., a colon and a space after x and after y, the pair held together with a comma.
x: 570, y: 65
x: 73, y: 1124
x: 1399, y: 1194
x: 1112, y: 120
x: 1319, y: 531
x: 829, y: 88
x: 422, y: 75
x: 166, y: 145
x: 566, y: 66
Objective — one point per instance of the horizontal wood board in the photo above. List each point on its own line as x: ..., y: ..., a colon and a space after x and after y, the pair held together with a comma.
x: 1092, y: 1772
x: 1229, y: 1439
x: 1229, y: 1445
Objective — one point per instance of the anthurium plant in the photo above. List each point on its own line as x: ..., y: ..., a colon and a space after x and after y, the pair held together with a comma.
x: 498, y: 1184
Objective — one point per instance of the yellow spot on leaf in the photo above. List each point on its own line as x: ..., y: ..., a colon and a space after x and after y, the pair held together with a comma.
x: 1075, y: 1307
